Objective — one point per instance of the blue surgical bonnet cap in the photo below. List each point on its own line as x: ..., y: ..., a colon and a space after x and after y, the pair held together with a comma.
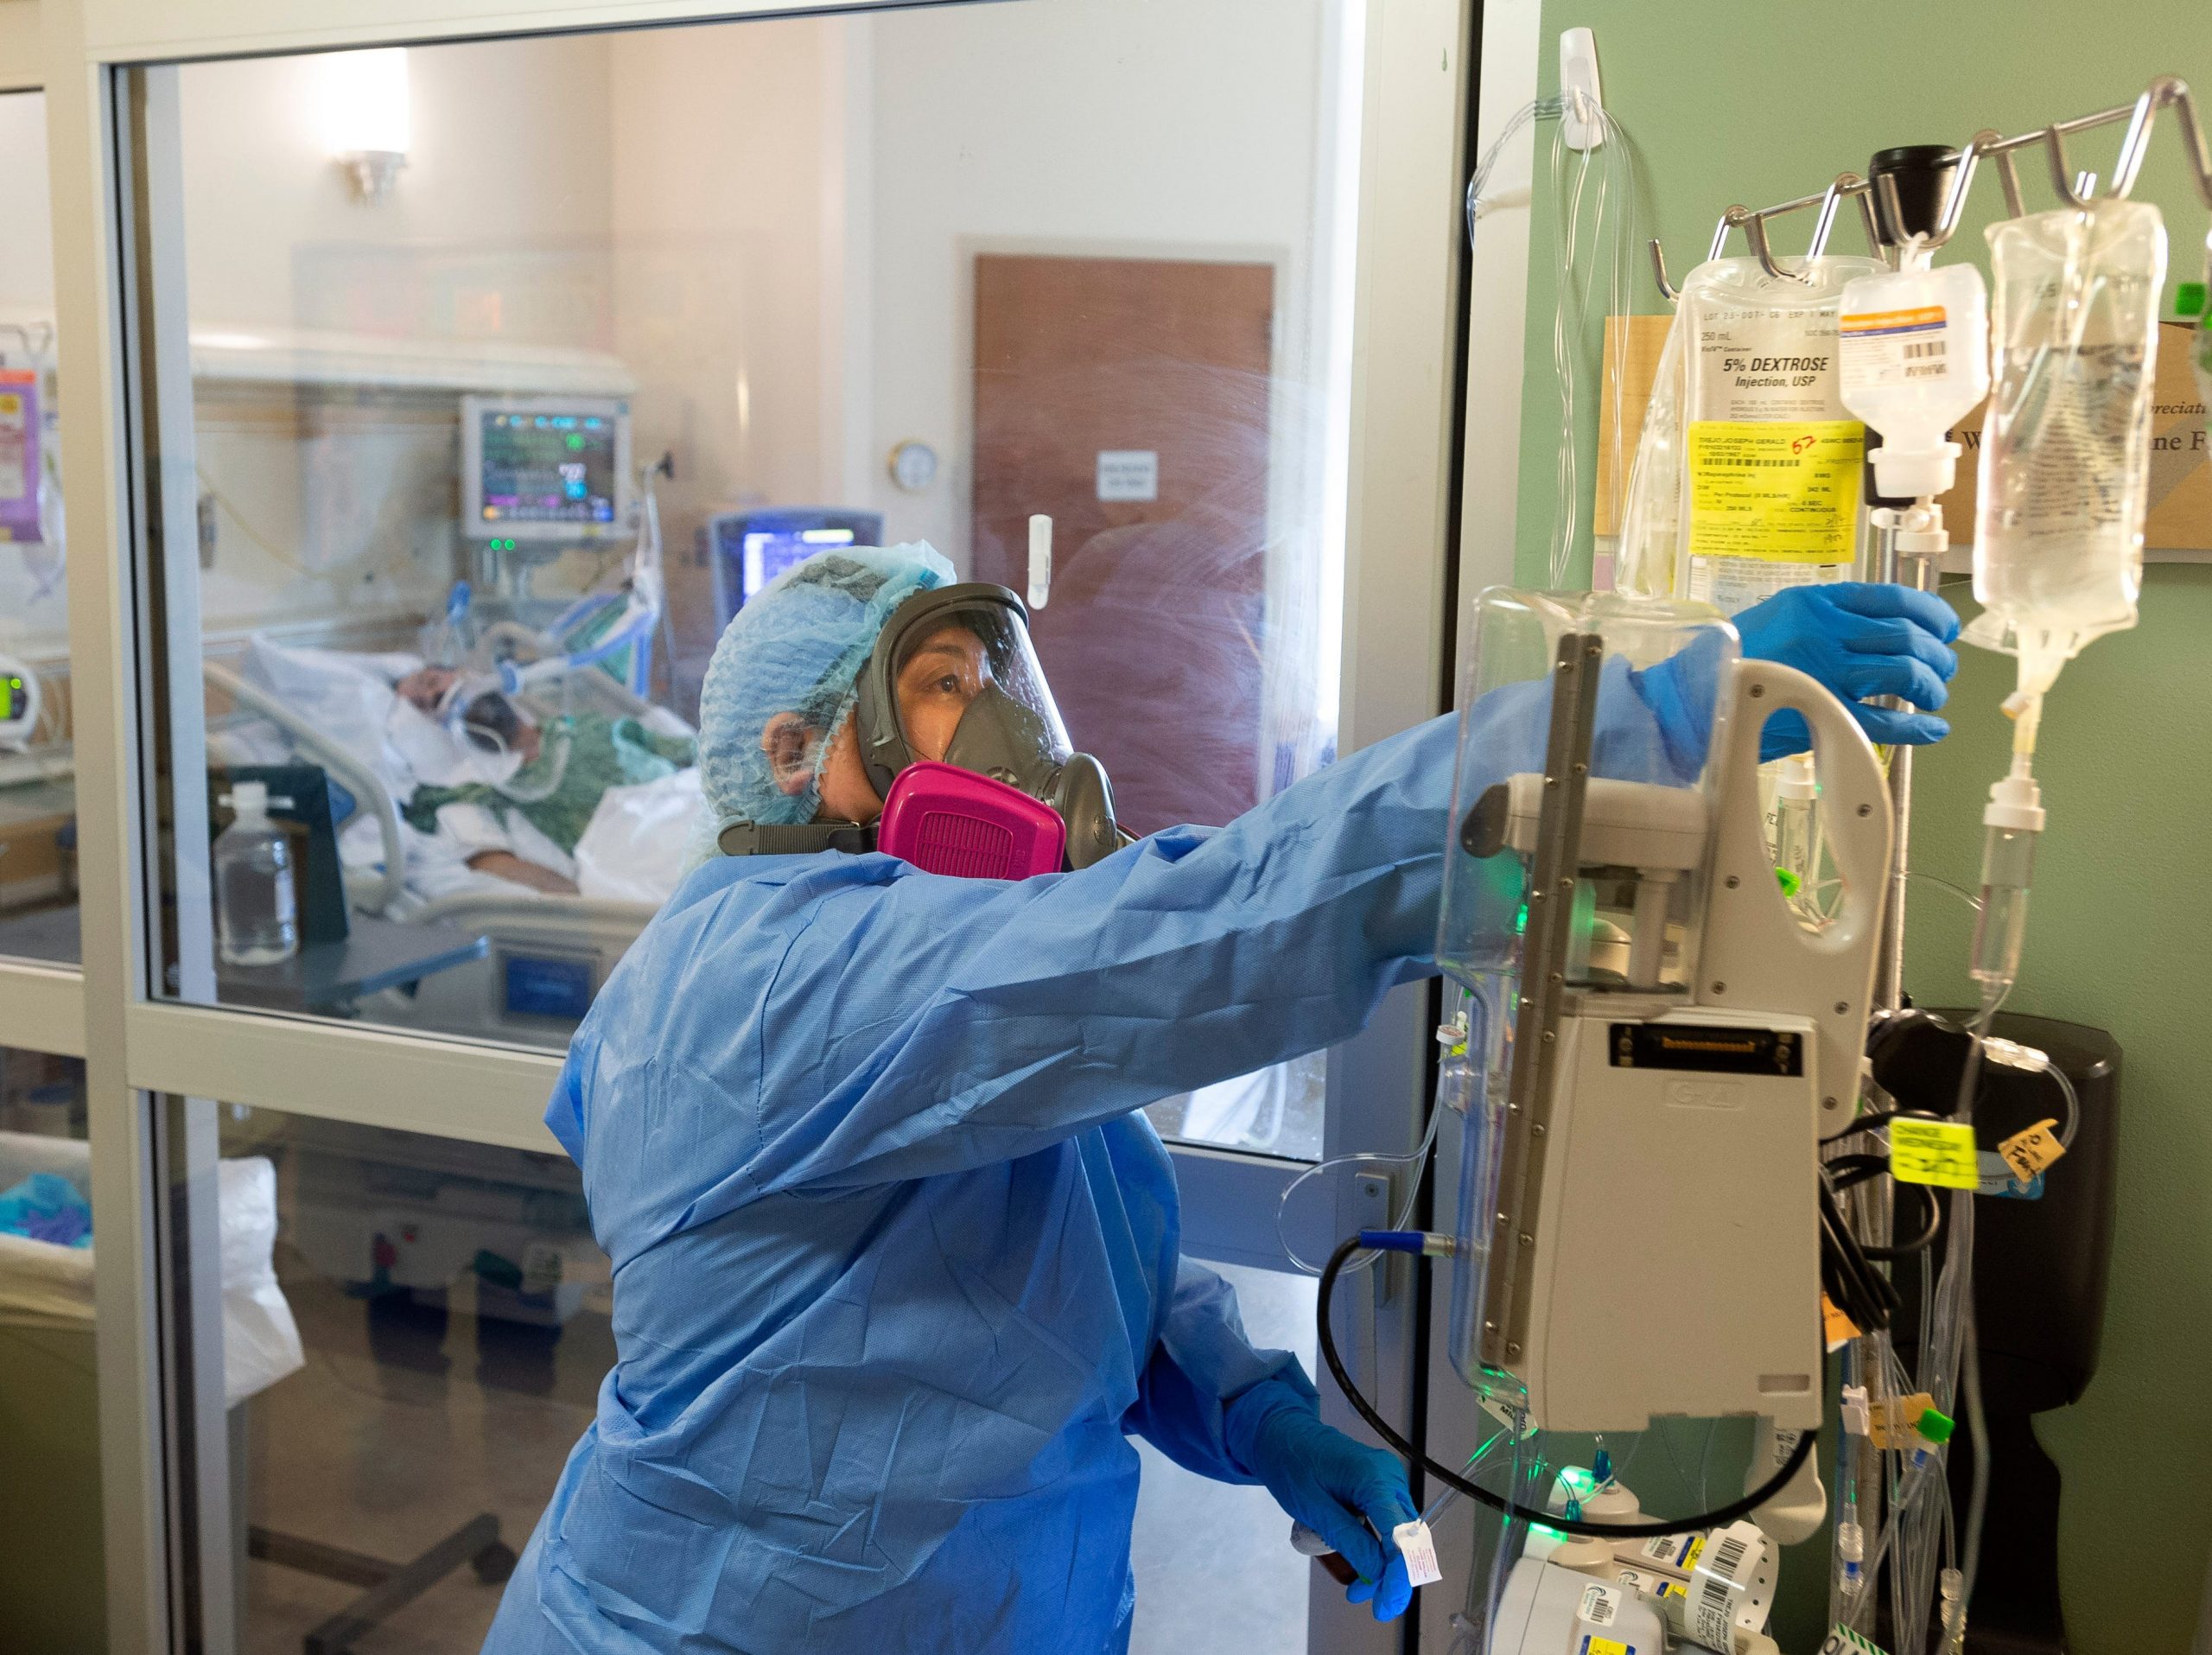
x: 797, y: 645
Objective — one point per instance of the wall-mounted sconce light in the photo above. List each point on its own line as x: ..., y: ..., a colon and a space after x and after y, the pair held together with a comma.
x: 364, y: 114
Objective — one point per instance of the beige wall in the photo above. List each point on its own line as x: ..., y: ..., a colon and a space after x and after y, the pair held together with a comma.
x: 26, y: 227
x: 721, y: 144
x: 510, y: 158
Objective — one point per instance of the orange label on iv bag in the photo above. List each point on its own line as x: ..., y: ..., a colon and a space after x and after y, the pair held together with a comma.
x: 1775, y: 491
x: 1837, y: 1329
x: 1918, y: 319
x: 2029, y: 1151
x: 1893, y: 347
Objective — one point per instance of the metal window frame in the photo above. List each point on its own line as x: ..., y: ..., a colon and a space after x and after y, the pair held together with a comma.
x: 143, y: 1054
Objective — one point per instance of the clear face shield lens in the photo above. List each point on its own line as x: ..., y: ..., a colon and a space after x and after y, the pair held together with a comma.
x: 970, y: 692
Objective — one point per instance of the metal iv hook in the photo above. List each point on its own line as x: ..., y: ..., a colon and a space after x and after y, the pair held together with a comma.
x: 1753, y: 225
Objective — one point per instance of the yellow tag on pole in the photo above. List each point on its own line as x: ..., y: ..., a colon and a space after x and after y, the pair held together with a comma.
x: 1941, y: 1153
x: 1836, y: 1328
x: 2030, y: 1150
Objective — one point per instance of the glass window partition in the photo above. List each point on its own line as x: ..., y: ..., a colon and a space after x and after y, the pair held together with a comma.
x: 514, y: 369
x: 38, y: 816
x: 408, y: 1337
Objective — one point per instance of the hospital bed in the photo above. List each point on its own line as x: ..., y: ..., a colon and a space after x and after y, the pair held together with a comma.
x: 547, y: 954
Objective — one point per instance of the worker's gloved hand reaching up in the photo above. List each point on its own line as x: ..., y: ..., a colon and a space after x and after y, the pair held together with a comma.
x: 1859, y: 640
x: 1339, y: 1489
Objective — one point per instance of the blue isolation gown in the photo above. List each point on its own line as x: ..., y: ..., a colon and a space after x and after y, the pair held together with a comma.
x: 895, y: 1256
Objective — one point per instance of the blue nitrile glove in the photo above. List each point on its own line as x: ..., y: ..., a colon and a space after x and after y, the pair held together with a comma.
x: 1334, y: 1485
x: 1858, y: 639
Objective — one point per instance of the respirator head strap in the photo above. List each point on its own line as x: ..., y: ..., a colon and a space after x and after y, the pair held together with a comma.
x: 794, y: 838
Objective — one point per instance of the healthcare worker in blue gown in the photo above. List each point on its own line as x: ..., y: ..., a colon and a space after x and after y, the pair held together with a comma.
x: 896, y: 1260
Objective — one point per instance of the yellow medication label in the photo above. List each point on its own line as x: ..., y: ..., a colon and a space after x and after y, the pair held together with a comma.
x: 1777, y: 491
x: 1594, y: 1645
x: 2028, y: 1152
x: 1934, y: 1152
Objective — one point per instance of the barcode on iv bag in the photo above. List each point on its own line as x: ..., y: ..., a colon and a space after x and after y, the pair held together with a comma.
x: 1923, y: 348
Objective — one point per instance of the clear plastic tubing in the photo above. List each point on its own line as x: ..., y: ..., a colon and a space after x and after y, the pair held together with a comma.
x: 2008, y: 858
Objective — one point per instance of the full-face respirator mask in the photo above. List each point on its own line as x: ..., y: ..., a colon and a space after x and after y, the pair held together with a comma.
x: 1006, y: 796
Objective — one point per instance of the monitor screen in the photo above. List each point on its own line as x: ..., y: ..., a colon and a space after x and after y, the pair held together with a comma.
x: 749, y: 549
x: 769, y: 552
x: 539, y: 469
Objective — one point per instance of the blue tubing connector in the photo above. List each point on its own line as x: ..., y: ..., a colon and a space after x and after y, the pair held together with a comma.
x: 1406, y: 1241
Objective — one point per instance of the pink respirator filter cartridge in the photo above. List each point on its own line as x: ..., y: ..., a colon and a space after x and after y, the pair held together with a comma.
x: 947, y: 820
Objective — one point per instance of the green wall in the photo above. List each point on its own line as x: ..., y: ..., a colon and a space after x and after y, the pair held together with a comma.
x: 1758, y: 104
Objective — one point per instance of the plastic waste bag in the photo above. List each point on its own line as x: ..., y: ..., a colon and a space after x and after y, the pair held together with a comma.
x: 261, y: 1342
x: 634, y: 848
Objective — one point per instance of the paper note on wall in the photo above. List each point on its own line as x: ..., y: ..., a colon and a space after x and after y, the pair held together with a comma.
x: 1129, y: 474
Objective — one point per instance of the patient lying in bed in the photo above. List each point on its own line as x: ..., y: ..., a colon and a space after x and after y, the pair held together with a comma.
x: 582, y: 802
x: 534, y: 786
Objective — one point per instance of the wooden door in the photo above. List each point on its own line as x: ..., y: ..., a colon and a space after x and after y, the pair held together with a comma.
x: 1154, y: 639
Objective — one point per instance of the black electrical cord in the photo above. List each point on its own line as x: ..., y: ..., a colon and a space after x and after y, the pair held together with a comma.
x: 1862, y: 1293
x: 1925, y: 1240
x: 1847, y: 1171
x: 1451, y: 1478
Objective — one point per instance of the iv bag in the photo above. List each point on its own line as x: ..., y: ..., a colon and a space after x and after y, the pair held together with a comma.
x: 1644, y: 565
x: 1770, y: 492
x: 2065, y: 466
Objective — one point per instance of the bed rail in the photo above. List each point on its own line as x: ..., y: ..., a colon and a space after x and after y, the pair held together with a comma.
x: 370, y: 892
